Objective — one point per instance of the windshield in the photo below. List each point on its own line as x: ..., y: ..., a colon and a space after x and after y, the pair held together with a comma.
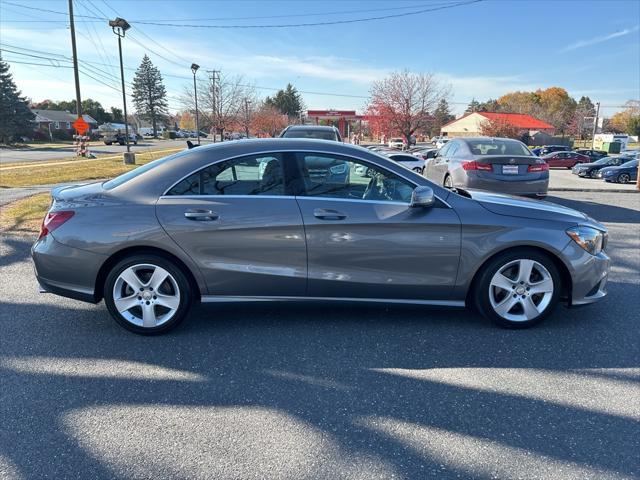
x: 484, y: 146
x: 125, y: 177
x: 309, y: 133
x: 603, y: 160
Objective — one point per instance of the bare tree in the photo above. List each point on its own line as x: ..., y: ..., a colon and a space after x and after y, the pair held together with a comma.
x: 222, y: 101
x: 404, y: 102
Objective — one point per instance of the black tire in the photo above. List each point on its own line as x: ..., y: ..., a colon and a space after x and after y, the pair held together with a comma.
x: 448, y: 183
x: 623, y: 178
x: 418, y: 170
x: 107, y: 143
x: 183, y: 287
x: 481, y: 287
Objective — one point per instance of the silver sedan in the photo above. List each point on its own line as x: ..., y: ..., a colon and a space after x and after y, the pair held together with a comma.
x: 283, y: 219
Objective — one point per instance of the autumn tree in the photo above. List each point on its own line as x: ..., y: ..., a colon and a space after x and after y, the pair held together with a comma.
x: 441, y: 116
x: 581, y: 125
x: 403, y: 102
x: 500, y: 128
x: 187, y: 121
x: 149, y: 93
x: 15, y: 116
x: 628, y: 120
x: 267, y: 120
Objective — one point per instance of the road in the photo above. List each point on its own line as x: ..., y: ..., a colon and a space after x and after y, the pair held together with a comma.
x: 56, y: 153
x: 291, y: 392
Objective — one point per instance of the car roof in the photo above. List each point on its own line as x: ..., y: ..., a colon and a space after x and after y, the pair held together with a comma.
x: 311, y: 127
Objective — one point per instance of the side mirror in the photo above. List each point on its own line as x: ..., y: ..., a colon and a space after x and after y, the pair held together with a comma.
x: 422, y: 197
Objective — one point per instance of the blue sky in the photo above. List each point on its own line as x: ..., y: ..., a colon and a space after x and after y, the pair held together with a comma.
x: 481, y: 50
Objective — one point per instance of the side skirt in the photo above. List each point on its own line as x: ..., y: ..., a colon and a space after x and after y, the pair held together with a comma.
x: 231, y: 299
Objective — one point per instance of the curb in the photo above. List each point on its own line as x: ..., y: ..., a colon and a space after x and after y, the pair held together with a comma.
x: 594, y: 190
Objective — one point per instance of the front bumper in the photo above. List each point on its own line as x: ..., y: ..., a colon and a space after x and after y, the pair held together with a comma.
x: 589, y: 274
x: 66, y: 271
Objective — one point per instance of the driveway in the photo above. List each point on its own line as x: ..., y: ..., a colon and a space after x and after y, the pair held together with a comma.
x: 290, y: 392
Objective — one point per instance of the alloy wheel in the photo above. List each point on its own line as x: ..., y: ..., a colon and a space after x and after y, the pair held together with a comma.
x: 521, y: 290
x: 624, y: 178
x: 146, y: 295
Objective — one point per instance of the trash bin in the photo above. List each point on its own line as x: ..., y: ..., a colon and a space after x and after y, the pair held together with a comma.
x: 611, y: 147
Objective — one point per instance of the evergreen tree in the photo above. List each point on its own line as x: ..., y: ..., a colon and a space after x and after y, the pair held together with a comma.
x: 474, y: 106
x: 149, y: 93
x: 441, y: 116
x: 288, y: 101
x: 490, y: 105
x: 15, y: 116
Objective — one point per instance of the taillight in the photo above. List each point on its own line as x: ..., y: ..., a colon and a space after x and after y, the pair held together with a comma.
x: 53, y: 220
x: 538, y: 167
x: 473, y: 165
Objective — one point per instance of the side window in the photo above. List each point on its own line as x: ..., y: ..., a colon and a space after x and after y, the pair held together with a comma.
x: 453, y: 148
x: 444, y: 150
x: 251, y: 175
x: 348, y: 178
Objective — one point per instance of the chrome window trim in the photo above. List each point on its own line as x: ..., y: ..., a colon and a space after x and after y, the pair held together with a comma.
x: 289, y: 150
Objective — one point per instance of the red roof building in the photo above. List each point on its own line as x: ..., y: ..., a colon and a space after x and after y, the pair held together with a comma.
x: 469, y: 125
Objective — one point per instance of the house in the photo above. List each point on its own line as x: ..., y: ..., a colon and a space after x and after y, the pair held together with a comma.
x: 58, y: 123
x: 470, y: 124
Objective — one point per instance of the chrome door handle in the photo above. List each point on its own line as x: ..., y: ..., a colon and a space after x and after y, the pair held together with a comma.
x: 326, y: 214
x: 201, y: 215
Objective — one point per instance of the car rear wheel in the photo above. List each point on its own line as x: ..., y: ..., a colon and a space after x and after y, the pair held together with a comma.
x: 418, y: 170
x: 518, y: 289
x: 624, y: 178
x: 147, y: 294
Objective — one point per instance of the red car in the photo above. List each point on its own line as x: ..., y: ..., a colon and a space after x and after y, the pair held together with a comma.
x: 565, y: 159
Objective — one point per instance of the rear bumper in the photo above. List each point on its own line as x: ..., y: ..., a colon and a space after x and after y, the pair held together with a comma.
x: 66, y: 271
x: 538, y: 187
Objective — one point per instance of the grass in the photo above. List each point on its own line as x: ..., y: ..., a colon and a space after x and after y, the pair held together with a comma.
x: 25, y: 176
x: 24, y: 216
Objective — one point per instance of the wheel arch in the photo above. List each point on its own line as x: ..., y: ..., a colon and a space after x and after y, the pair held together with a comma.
x: 565, y: 275
x: 138, y: 250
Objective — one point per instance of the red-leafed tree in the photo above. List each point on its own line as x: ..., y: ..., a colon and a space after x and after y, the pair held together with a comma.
x: 500, y: 128
x: 403, y: 103
x: 268, y: 121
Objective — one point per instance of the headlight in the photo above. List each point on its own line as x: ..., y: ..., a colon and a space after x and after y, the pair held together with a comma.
x: 590, y: 239
x: 338, y: 169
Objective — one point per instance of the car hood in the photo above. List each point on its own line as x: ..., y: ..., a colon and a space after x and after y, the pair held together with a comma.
x: 530, y: 208
x: 587, y: 165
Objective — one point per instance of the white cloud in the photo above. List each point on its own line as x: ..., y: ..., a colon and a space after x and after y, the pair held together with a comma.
x: 599, y: 39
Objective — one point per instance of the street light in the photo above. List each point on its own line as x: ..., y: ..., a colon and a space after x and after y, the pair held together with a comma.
x: 194, y: 69
x: 119, y: 27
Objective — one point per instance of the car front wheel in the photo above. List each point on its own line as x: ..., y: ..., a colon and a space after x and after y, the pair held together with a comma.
x: 147, y: 294
x: 518, y: 289
x: 624, y: 178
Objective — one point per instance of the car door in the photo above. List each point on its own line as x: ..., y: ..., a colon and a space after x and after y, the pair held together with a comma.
x: 440, y: 166
x: 557, y: 159
x: 365, y: 241
x: 236, y: 221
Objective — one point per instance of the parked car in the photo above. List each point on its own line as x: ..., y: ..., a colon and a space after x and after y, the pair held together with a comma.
x: 441, y: 142
x: 318, y: 132
x: 591, y: 169
x: 495, y: 164
x: 203, y: 225
x: 592, y: 154
x: 408, y: 161
x: 397, y: 143
x: 425, y: 153
x: 547, y: 149
x: 625, y: 173
x: 564, y: 159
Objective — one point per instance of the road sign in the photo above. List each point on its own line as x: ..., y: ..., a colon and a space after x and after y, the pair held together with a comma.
x: 81, y: 126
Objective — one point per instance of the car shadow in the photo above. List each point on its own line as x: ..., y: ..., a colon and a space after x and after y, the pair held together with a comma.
x: 342, y: 371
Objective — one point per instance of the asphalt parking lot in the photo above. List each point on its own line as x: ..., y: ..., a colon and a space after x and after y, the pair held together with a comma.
x: 291, y: 392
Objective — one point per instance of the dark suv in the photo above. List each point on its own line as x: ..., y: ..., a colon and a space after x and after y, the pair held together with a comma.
x: 311, y: 131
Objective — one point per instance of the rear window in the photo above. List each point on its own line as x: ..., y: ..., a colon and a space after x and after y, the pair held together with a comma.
x: 125, y: 177
x: 497, y: 147
x: 310, y: 133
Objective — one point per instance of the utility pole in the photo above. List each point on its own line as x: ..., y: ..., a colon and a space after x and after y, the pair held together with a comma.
x: 75, y: 59
x: 246, y: 117
x: 595, y: 126
x: 215, y: 80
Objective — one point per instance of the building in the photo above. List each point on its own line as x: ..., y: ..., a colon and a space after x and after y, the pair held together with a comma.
x: 345, y: 120
x: 58, y: 123
x: 470, y: 124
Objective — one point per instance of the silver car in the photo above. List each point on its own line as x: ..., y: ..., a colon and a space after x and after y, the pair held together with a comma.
x: 498, y: 165
x: 250, y: 221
